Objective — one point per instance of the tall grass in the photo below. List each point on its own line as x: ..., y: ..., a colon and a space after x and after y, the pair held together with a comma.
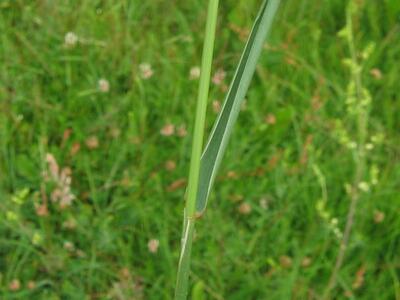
x: 358, y: 106
x: 203, y: 168
x: 197, y: 145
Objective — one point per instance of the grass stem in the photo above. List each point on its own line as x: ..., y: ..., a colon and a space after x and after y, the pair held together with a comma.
x: 360, y: 161
x: 181, y: 288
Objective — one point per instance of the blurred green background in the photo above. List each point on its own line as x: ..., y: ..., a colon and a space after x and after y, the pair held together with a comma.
x: 97, y: 103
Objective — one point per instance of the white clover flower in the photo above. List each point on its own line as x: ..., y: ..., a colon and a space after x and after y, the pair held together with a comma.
x: 153, y: 245
x: 103, y: 85
x: 168, y: 130
x: 70, y: 39
x: 194, y: 73
x: 146, y: 71
x: 219, y: 77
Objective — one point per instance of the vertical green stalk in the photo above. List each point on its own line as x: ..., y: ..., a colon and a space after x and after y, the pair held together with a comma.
x: 181, y: 288
x: 360, y: 159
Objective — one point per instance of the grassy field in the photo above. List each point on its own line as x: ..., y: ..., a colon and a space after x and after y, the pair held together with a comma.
x: 97, y: 103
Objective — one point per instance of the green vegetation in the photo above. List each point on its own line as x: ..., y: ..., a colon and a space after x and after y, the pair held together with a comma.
x: 97, y: 102
x: 189, y: 215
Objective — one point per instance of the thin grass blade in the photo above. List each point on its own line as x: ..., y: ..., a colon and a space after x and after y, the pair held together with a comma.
x: 221, y: 132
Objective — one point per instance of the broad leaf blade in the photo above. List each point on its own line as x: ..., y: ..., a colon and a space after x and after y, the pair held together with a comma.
x: 221, y: 132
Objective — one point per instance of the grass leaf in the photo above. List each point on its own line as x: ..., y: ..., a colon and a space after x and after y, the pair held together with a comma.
x: 221, y: 132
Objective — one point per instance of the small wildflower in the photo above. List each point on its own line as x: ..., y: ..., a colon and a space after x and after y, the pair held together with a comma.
x: 103, y: 85
x: 244, y: 208
x: 194, y: 73
x: 62, y: 192
x: 182, y: 132
x: 316, y: 102
x: 359, y: 280
x: 14, y: 285
x: 66, y: 135
x: 219, y: 77
x: 270, y: 119
x: 170, y: 165
x: 70, y: 40
x: 125, y: 273
x: 92, y: 142
x: 168, y: 130
x: 69, y: 246
x: 80, y: 253
x: 31, y: 285
x: 69, y: 224
x: 146, y: 70
x: 378, y: 216
x: 42, y: 210
x: 306, y: 262
x: 363, y: 186
x: 153, y: 245
x: 216, y: 105
x: 53, y: 166
x: 376, y: 73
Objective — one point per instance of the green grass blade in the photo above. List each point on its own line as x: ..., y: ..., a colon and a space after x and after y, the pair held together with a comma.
x: 221, y: 132
x: 204, y: 85
x: 181, y: 288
